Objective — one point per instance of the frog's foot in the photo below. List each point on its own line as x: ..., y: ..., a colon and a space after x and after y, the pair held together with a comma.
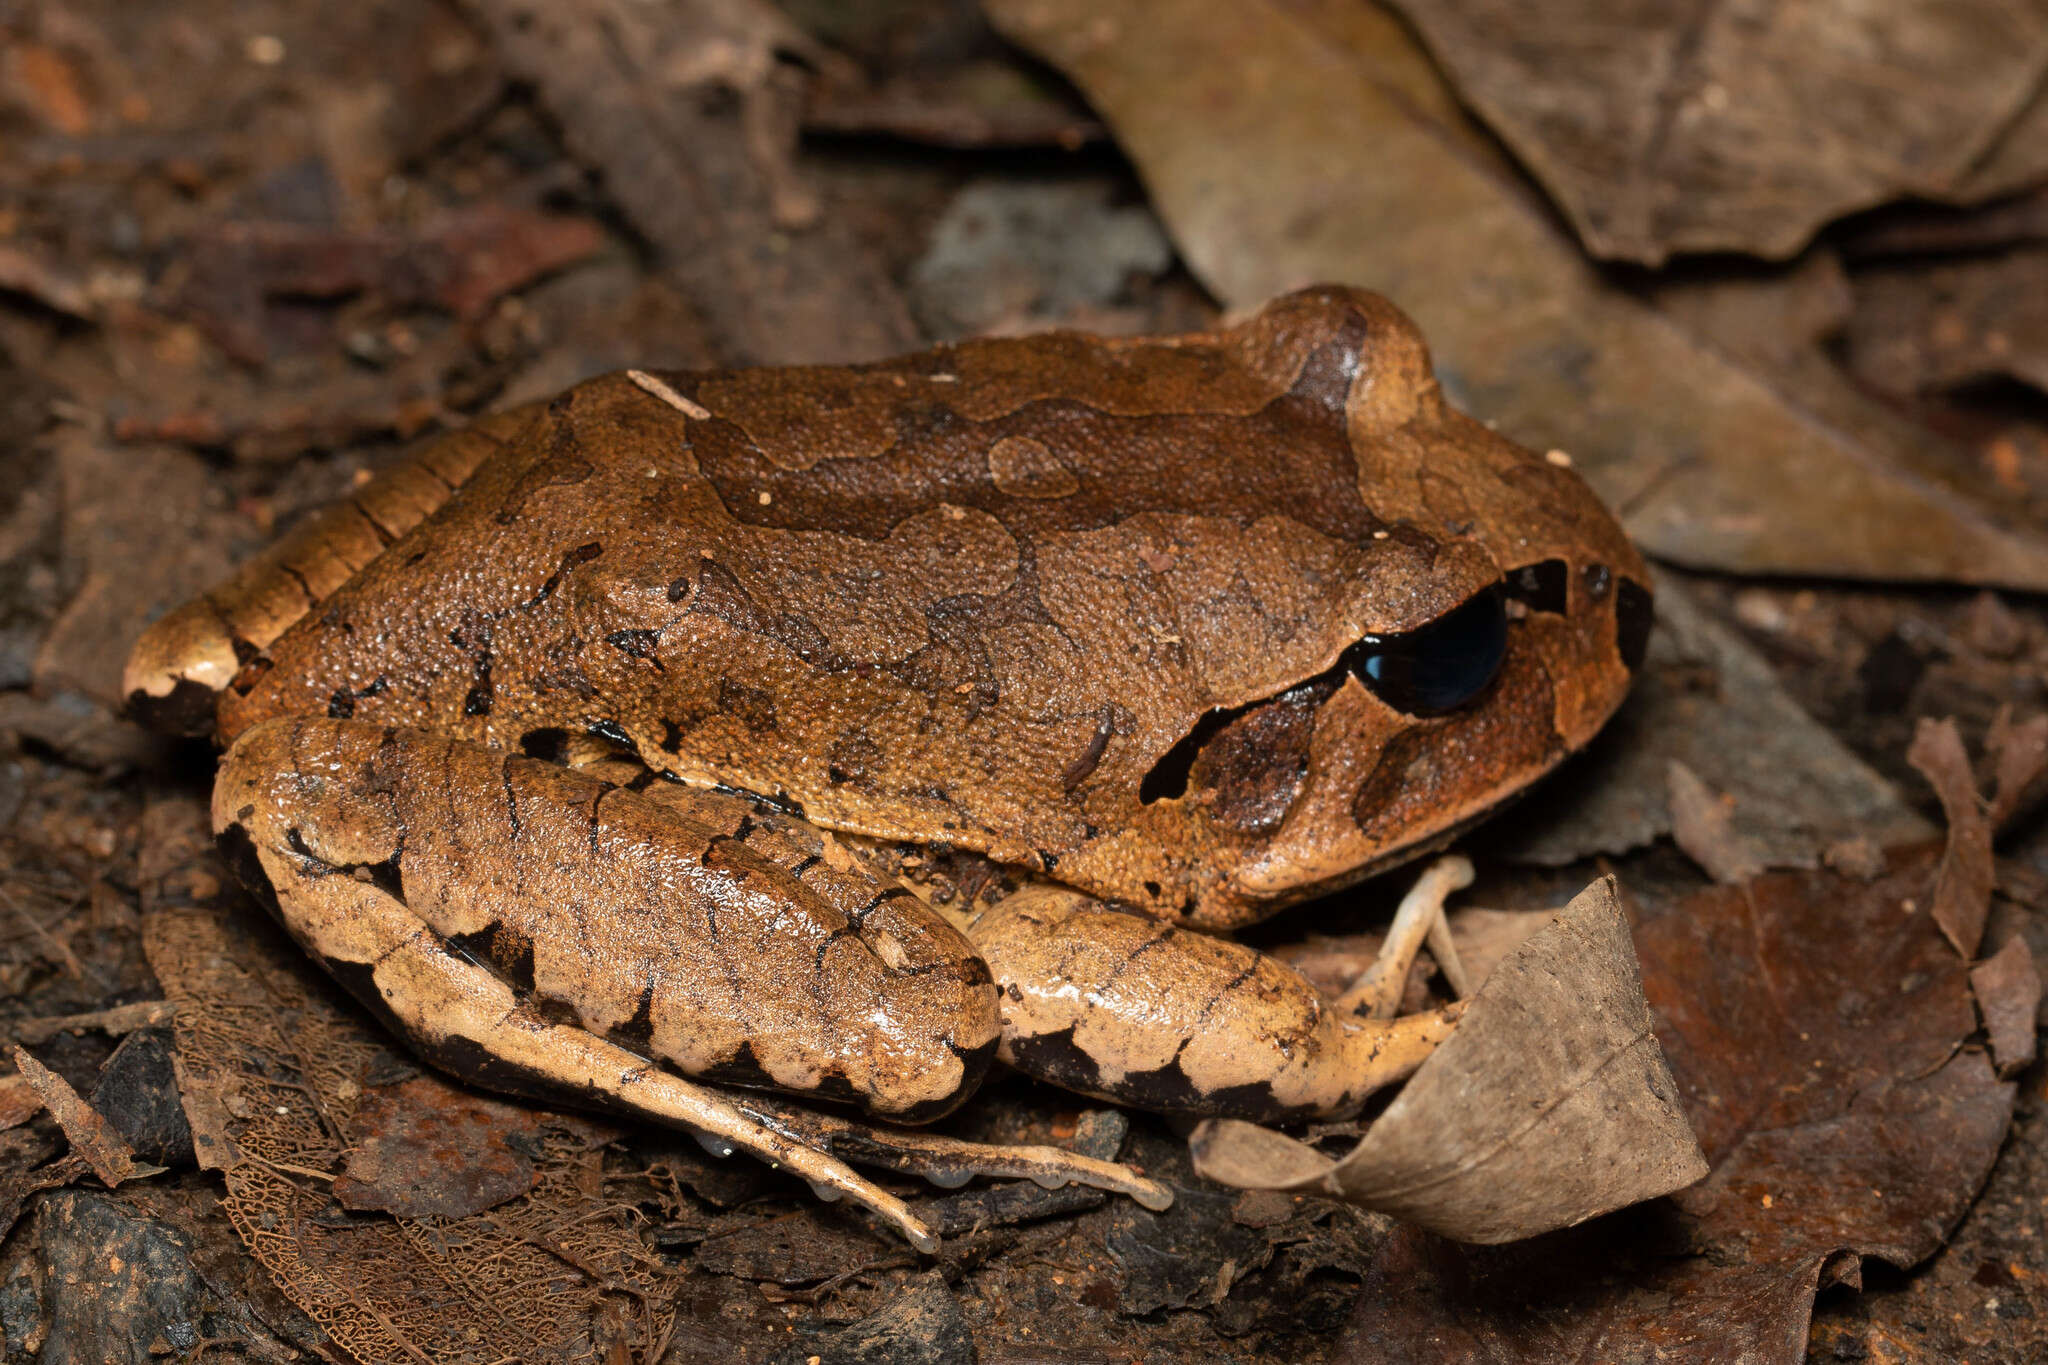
x: 1159, y: 1017
x: 951, y: 1162
x: 1377, y: 992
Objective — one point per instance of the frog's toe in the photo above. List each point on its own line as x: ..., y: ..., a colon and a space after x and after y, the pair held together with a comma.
x: 950, y: 1163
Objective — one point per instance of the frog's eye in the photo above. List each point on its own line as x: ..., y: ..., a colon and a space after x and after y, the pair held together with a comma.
x: 1440, y: 666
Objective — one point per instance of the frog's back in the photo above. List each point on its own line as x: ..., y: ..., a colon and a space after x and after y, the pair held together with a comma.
x: 981, y: 595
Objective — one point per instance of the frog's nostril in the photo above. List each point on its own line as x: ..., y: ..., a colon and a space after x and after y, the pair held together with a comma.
x: 1540, y: 587
x: 1599, y: 582
x: 1634, y: 614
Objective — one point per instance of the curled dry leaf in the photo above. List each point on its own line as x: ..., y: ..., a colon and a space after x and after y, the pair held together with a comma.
x: 1962, y: 893
x: 1551, y: 1103
x: 92, y: 1137
x: 1278, y: 155
x: 1664, y: 129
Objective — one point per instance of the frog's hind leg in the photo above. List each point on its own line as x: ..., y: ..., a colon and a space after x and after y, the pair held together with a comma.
x: 465, y: 1019
x: 1121, y: 1006
x: 541, y: 931
x: 188, y: 656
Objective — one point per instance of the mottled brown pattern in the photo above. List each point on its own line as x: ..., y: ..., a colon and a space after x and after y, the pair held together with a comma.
x: 863, y: 591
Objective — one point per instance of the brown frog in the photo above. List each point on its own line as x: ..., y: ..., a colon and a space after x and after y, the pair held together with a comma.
x: 838, y: 731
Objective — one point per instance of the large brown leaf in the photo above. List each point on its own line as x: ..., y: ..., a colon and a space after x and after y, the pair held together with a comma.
x: 1686, y: 127
x: 1277, y: 156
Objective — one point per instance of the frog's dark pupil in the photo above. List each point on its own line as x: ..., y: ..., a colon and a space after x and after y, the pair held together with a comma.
x: 1438, y: 667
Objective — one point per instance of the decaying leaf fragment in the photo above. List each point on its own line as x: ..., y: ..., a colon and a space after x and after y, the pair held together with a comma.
x: 1962, y: 892
x: 2008, y: 989
x: 92, y: 1137
x: 1551, y: 1104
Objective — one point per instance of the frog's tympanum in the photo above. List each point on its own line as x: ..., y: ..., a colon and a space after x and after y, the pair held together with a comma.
x: 838, y: 731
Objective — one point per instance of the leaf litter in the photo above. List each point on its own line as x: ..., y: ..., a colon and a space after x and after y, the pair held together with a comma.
x: 418, y: 100
x: 1277, y: 154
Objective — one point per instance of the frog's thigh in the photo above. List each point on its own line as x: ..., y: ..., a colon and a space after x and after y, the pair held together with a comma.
x: 1169, y: 1019
x: 579, y: 901
x: 188, y: 655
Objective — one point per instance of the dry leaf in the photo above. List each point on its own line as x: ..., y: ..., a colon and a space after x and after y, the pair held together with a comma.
x: 92, y: 1137
x: 1703, y: 823
x: 2008, y: 989
x: 1551, y: 1104
x: 2020, y: 762
x: 1962, y: 895
x: 1817, y: 1031
x: 19, y: 1101
x: 1277, y: 158
x: 1669, y: 129
x: 128, y: 519
x: 462, y: 262
x: 2017, y: 161
x: 1920, y: 328
x: 428, y: 1150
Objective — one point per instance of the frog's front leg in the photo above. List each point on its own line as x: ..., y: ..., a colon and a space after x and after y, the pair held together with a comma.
x: 1144, y: 1013
x: 541, y: 931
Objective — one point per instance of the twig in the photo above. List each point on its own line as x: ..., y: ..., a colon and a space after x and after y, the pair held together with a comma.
x: 116, y: 1021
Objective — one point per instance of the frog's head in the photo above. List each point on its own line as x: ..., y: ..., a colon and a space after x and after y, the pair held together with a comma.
x: 1479, y: 621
